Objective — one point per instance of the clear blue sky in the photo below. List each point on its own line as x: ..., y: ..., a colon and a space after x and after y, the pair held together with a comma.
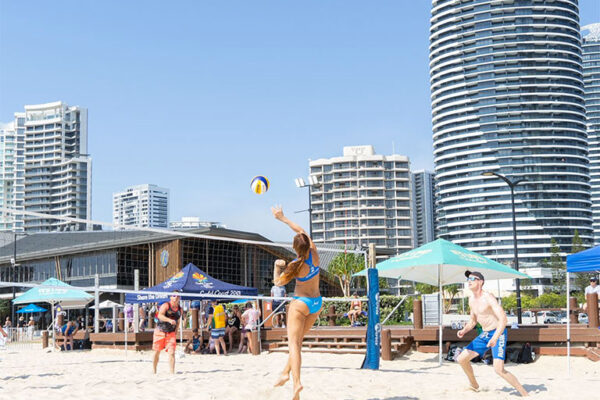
x: 201, y: 96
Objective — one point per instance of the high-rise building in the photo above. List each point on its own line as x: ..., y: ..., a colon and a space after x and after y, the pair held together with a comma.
x: 423, y: 207
x: 194, y: 223
x: 591, y: 83
x: 362, y: 198
x: 142, y: 205
x: 51, y: 169
x: 12, y: 176
x: 507, y: 97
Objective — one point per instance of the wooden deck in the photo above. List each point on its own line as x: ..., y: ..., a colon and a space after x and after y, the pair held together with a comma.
x: 544, y: 339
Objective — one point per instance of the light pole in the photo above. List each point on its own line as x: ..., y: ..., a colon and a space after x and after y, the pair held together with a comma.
x: 14, y: 265
x: 312, y: 181
x: 511, y: 185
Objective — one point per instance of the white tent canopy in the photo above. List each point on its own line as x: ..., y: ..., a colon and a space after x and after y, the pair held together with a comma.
x: 107, y: 304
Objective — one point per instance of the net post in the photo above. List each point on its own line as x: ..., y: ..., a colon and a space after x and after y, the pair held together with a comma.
x: 373, y: 353
x: 136, y: 309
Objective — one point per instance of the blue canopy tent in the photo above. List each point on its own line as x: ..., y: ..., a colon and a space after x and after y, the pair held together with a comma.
x: 584, y: 261
x: 32, y: 308
x: 190, y: 279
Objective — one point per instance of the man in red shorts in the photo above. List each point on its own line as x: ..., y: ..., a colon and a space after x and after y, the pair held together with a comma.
x: 165, y: 334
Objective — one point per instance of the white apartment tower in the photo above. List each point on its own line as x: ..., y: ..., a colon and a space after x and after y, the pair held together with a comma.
x: 142, y: 205
x: 194, y: 223
x: 362, y: 198
x: 46, y: 168
x: 423, y: 208
x: 12, y: 176
x: 591, y: 83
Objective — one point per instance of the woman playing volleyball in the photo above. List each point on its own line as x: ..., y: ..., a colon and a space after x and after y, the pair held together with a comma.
x: 304, y: 309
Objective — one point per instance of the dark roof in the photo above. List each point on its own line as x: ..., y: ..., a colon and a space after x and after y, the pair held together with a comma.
x: 45, y: 245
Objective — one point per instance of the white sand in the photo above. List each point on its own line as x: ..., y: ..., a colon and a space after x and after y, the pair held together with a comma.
x: 104, y: 374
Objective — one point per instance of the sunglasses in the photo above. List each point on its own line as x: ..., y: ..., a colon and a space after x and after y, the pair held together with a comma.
x: 473, y: 278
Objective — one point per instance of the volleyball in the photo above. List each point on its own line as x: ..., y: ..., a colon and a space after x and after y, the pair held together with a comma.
x: 259, y: 184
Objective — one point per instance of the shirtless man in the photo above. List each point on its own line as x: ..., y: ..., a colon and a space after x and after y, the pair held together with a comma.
x: 486, y: 310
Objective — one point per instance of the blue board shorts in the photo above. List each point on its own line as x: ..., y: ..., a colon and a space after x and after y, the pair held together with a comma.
x: 217, y: 333
x: 479, y: 345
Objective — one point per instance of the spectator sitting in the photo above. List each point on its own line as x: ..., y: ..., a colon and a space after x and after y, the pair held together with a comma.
x: 355, y: 310
x: 233, y: 325
x: 194, y: 345
x: 109, y: 325
x: 592, y: 288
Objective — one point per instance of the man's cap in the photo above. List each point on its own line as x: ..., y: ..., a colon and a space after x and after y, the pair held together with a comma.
x: 593, y: 279
x: 474, y: 273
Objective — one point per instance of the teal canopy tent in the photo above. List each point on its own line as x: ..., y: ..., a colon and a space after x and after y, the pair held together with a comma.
x: 54, y: 291
x: 442, y: 263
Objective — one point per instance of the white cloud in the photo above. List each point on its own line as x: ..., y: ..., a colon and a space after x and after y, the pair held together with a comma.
x: 7, y: 125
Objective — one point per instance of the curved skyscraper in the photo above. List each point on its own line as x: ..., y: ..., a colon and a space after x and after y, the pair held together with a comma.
x: 591, y: 81
x: 507, y: 96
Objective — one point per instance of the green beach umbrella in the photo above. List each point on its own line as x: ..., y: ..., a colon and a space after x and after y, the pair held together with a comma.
x: 421, y: 265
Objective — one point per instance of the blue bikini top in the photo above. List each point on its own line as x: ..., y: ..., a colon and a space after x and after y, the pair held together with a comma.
x: 314, y: 270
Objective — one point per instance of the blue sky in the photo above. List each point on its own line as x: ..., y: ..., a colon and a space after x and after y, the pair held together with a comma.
x: 201, y: 96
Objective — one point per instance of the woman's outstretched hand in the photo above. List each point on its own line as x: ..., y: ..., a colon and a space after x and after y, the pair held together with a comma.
x: 277, y: 212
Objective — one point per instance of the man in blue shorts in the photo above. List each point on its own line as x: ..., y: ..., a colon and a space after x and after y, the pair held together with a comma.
x: 492, y: 318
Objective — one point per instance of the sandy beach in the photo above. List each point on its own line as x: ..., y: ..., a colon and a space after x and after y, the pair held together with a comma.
x: 105, y: 374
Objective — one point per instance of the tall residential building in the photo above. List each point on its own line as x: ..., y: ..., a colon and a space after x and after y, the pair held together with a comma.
x: 52, y: 170
x: 591, y: 83
x: 507, y: 96
x: 142, y: 205
x: 362, y: 198
x: 423, y: 207
x: 12, y: 176
x: 194, y: 223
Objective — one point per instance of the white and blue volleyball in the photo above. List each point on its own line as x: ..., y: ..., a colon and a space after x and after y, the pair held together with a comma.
x: 259, y: 184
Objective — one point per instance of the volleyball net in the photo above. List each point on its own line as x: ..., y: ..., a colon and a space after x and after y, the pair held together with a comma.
x: 111, y: 261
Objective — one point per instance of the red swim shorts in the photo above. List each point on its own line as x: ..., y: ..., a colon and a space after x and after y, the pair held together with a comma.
x: 164, y: 340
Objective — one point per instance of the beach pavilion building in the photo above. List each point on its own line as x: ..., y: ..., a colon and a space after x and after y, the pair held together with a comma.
x: 75, y: 258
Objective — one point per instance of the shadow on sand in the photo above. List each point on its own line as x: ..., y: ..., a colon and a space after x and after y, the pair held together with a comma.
x: 7, y: 378
x: 394, y: 398
x: 529, y: 388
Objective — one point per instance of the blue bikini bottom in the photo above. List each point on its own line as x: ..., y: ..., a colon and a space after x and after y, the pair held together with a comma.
x: 314, y: 304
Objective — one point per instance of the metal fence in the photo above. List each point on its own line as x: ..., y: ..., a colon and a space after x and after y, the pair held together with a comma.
x: 21, y: 338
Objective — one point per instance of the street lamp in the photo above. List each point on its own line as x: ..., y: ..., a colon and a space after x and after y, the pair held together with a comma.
x: 312, y: 181
x: 14, y: 265
x: 511, y: 185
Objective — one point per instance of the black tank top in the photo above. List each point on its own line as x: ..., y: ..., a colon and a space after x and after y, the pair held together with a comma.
x: 167, y: 326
